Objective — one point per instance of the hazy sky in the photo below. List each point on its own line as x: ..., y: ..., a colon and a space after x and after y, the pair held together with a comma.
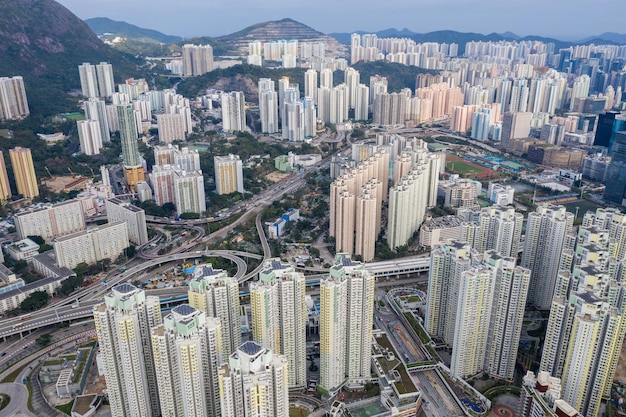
x: 563, y: 19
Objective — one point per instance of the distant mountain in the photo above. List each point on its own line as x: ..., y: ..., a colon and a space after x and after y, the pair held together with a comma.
x: 44, y: 42
x: 276, y: 30
x: 617, y: 38
x: 509, y: 35
x: 103, y: 25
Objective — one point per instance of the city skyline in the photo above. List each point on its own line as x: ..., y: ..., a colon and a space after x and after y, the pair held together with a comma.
x: 483, y: 16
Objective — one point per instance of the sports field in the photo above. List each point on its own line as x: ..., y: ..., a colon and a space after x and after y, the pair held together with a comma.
x: 467, y: 169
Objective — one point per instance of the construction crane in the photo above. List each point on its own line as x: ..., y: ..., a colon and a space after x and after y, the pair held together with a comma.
x: 71, y: 172
x: 49, y: 174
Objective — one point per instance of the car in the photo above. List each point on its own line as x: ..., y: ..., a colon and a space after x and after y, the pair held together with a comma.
x: 3, y: 353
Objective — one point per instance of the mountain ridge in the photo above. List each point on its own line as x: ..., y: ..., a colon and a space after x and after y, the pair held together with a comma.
x: 48, y: 55
x: 103, y: 25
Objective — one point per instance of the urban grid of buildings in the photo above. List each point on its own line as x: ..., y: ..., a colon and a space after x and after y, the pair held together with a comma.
x: 550, y: 105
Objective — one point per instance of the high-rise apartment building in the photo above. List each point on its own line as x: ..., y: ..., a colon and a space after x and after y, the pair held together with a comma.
x: 24, y: 172
x: 233, y: 111
x: 515, y: 126
x: 369, y: 177
x: 96, y: 109
x: 123, y: 324
x: 88, y: 80
x: 96, y: 80
x: 476, y: 304
x: 5, y: 187
x: 447, y: 262
x: 133, y: 169
x: 361, y: 109
x: 171, y: 127
x: 107, y: 241
x: 162, y: 181
x: 546, y: 230
x: 51, y: 221
x: 254, y: 383
x: 197, y: 59
x: 188, y: 187
x: 495, y: 228
x: 616, y: 173
x: 13, y: 101
x: 182, y: 158
x: 279, y: 315
x: 587, y: 321
x: 346, y: 320
x: 507, y: 314
x: 106, y: 84
x: 133, y: 216
x: 187, y: 355
x: 217, y: 294
x: 310, y: 84
x: 228, y: 174
x: 89, y: 136
x: 410, y: 197
x: 268, y: 110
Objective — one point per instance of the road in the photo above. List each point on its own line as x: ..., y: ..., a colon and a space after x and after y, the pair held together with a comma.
x: 19, y: 398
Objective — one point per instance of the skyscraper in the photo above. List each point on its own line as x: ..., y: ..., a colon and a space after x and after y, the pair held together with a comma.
x: 268, y: 110
x: 498, y: 228
x: 24, y: 172
x: 616, y: 173
x: 88, y: 80
x: 90, y: 136
x: 346, y: 316
x: 187, y: 355
x: 95, y: 109
x: 171, y: 127
x: 279, y: 315
x: 13, y: 102
x: 133, y: 216
x: 197, y: 59
x: 546, y: 230
x: 217, y: 294
x: 254, y: 383
x: 189, y: 195
x: 310, y: 84
x: 410, y: 197
x: 5, y: 188
x: 233, y: 111
x: 587, y: 320
x: 507, y: 314
x: 106, y: 84
x: 228, y: 174
x: 123, y: 324
x: 130, y: 149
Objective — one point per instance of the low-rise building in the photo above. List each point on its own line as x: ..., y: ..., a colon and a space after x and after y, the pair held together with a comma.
x: 23, y: 250
x: 460, y: 192
x: 276, y: 228
x: 501, y: 195
x: 541, y: 397
x: 438, y: 230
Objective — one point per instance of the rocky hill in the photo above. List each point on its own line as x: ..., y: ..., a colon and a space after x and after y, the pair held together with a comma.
x: 44, y: 42
x: 276, y: 30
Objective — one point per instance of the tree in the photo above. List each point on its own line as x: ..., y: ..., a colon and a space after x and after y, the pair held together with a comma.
x: 44, y: 340
x: 70, y: 284
x: 35, y: 301
x: 37, y: 239
x: 130, y: 251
